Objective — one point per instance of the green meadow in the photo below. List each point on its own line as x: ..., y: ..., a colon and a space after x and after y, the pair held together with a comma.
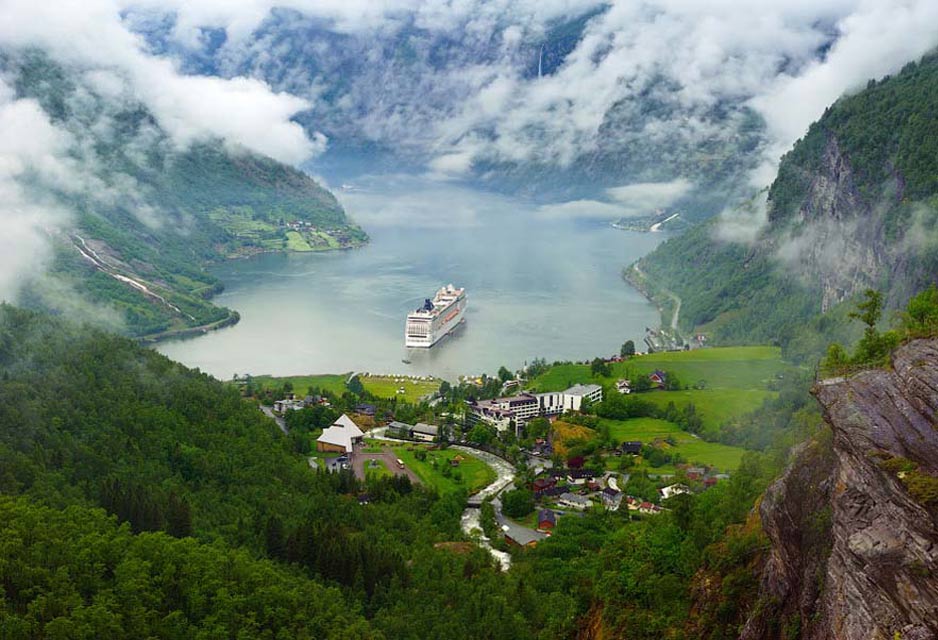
x: 692, y: 448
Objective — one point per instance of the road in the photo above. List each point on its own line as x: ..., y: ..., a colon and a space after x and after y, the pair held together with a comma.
x: 387, y: 457
x: 269, y: 412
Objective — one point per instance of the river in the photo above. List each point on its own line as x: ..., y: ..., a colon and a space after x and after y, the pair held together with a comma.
x: 539, y: 284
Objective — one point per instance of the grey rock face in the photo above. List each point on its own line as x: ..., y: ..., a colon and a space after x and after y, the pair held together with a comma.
x: 854, y: 555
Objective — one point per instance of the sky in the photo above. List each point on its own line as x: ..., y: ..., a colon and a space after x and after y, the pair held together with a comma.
x: 458, y: 91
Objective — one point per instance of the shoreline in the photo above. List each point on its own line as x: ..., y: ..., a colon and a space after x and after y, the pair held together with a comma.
x: 234, y: 317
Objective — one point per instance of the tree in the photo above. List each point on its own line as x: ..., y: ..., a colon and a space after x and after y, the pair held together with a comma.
x: 504, y: 374
x: 517, y: 503
x: 628, y: 349
x: 600, y: 368
x: 355, y: 386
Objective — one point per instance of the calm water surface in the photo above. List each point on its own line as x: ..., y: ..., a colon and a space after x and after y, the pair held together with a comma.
x: 537, y: 286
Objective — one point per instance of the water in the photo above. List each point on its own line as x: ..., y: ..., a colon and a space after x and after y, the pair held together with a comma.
x: 538, y: 285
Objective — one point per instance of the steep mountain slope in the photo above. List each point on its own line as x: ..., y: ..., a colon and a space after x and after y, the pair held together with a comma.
x: 156, y: 214
x: 853, y: 525
x: 401, y: 93
x: 855, y: 205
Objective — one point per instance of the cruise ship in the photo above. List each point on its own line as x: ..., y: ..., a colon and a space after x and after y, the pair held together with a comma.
x: 436, y: 318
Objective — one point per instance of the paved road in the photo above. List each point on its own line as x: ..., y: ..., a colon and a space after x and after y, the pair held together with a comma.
x: 359, y: 460
x: 269, y: 412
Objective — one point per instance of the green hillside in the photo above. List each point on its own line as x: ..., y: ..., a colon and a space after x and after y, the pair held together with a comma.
x: 861, y: 183
x: 176, y: 212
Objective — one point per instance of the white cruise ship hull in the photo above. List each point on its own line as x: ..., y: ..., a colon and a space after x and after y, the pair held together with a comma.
x: 424, y: 328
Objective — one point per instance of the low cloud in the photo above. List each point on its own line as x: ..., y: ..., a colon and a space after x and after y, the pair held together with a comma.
x: 627, y: 201
x: 744, y: 222
x: 92, y: 34
x: 31, y: 149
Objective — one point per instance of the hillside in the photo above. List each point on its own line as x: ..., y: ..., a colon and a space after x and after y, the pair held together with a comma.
x: 139, y: 498
x: 140, y: 241
x: 853, y: 207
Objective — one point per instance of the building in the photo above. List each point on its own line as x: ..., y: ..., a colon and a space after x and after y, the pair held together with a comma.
x: 501, y: 413
x: 425, y: 432
x: 341, y: 437
x: 632, y: 447
x: 574, y: 396
x: 673, y: 490
x: 658, y: 378
x: 546, y: 520
x: 573, y: 501
x: 624, y: 386
x: 290, y: 403
x: 612, y: 498
x: 365, y: 409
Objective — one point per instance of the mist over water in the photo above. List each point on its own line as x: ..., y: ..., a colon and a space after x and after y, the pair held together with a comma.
x: 537, y: 286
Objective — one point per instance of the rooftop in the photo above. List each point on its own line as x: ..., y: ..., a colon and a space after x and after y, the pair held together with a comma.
x: 582, y: 389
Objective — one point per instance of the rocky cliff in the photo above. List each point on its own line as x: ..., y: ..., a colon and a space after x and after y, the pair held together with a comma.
x: 853, y: 523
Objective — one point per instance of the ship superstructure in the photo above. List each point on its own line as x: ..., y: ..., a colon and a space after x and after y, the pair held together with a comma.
x: 436, y: 318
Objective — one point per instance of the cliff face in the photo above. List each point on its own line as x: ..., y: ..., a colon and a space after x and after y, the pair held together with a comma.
x: 853, y: 524
x: 838, y: 242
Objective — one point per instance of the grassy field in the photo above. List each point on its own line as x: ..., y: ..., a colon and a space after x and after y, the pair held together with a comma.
x: 387, y: 386
x: 334, y: 383
x: 695, y: 450
x: 718, y: 368
x: 715, y: 406
x: 380, y: 386
x: 475, y: 474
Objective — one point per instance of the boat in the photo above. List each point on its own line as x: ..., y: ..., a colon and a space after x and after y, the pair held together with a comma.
x: 436, y: 318
x: 405, y: 360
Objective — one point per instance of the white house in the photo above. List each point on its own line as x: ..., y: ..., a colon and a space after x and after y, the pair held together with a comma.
x: 341, y: 437
x: 425, y: 432
x: 573, y: 397
x: 673, y: 490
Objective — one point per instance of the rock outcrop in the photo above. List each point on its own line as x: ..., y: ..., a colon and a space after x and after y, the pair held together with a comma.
x: 853, y: 522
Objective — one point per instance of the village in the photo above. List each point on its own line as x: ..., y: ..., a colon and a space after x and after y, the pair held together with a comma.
x: 550, y: 478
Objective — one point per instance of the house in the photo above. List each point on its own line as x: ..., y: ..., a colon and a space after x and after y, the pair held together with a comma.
x: 366, y: 409
x: 546, y: 520
x: 624, y: 386
x: 573, y: 501
x: 290, y: 403
x: 592, y: 485
x: 632, y: 447
x: 543, y: 484
x: 576, y: 462
x: 521, y: 536
x: 341, y: 437
x: 673, y: 490
x: 612, y: 498
x: 658, y: 378
x: 648, y: 508
x: 399, y: 429
x: 425, y: 432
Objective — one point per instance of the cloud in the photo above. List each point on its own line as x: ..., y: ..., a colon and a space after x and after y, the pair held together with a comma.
x: 628, y: 201
x: 874, y: 40
x: 742, y: 223
x: 31, y: 147
x: 91, y: 34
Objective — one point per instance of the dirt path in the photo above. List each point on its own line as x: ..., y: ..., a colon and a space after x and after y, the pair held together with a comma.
x: 361, y: 459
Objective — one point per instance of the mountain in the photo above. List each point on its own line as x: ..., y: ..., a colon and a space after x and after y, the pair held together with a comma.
x: 854, y: 206
x: 409, y: 92
x: 155, y: 215
x: 853, y: 522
